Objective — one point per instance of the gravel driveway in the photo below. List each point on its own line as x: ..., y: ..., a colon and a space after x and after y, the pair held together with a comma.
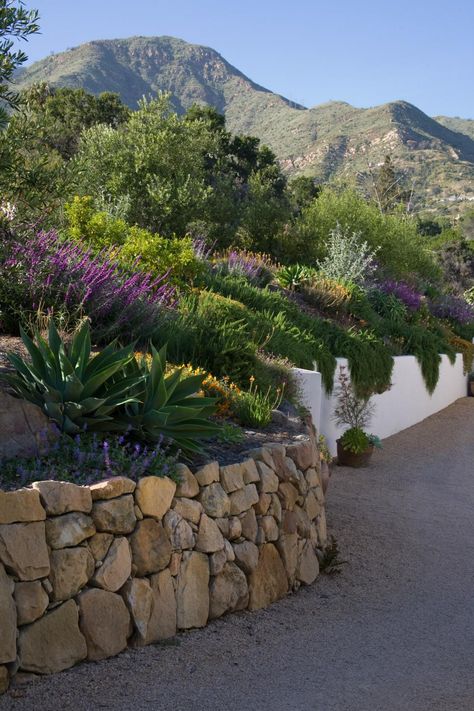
x: 393, y: 632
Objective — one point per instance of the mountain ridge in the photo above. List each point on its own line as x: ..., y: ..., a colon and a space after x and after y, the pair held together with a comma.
x: 330, y: 140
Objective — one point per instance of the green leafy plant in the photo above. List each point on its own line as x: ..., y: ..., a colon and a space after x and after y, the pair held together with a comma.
x: 253, y: 408
x: 330, y: 562
x: 355, y: 440
x: 167, y: 405
x: 293, y: 276
x: 75, y: 389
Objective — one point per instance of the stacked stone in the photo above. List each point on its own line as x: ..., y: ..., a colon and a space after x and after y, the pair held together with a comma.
x: 87, y: 571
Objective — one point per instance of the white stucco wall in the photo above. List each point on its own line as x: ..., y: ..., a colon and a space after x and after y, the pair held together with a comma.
x: 406, y: 403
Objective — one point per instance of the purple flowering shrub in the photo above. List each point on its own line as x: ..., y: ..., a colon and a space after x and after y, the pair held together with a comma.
x: 452, y: 308
x: 256, y: 268
x: 54, y: 275
x: 88, y: 458
x: 404, y: 292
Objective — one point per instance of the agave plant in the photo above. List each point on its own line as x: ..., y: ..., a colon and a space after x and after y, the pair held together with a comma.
x: 74, y: 388
x: 168, y: 406
x: 293, y: 276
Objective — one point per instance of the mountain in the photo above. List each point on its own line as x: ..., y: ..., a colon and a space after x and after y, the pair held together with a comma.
x: 326, y: 141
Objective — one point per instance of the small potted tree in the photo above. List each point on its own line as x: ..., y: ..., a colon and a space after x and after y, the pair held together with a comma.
x: 356, y: 446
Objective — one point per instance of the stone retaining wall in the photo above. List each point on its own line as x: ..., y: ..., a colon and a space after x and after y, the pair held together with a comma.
x: 87, y: 571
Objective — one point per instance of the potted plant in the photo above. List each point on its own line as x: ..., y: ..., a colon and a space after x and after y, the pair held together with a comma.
x: 470, y: 381
x: 356, y: 446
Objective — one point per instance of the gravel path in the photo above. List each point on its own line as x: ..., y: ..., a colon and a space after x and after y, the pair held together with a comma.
x: 393, y: 632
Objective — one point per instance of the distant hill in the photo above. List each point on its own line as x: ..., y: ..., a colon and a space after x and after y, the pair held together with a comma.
x: 326, y: 141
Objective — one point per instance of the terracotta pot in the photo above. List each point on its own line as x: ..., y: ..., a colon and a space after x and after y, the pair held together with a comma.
x: 345, y: 458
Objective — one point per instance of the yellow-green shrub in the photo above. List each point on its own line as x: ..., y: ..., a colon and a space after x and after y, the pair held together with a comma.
x: 99, y: 229
x: 138, y: 248
x: 158, y: 254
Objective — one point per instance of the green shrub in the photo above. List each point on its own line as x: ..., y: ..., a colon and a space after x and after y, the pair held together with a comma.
x: 401, y: 250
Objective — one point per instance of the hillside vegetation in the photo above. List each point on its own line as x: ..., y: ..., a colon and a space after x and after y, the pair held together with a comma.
x: 326, y: 141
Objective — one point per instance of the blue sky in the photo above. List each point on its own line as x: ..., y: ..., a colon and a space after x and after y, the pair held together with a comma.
x: 365, y: 52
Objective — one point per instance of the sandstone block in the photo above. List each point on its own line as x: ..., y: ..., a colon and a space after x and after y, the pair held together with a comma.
x: 208, y: 474
x: 8, y: 619
x: 188, y: 485
x: 60, y: 497
x: 71, y: 569
x: 269, y: 527
x: 287, y: 546
x: 99, y: 544
x: 263, y: 504
x: 151, y: 548
x: 31, y: 601
x: 217, y: 562
x: 116, y: 568
x: 242, y: 500
x: 223, y: 524
x: 303, y: 522
x: 278, y: 456
x: 232, y: 477
x: 268, y: 582
x: 250, y: 471
x: 192, y: 594
x: 321, y: 526
x: 312, y: 506
x: 104, y: 622
x: 228, y: 591
x: 189, y: 509
x: 269, y: 481
x: 112, y: 488
x: 325, y: 474
x: 308, y: 566
x: 312, y: 477
x: 246, y: 556
x: 154, y: 495
x: 261, y: 454
x: 288, y: 495
x: 209, y: 538
x: 249, y: 525
x: 229, y: 551
x: 235, y: 528
x: 54, y: 642
x: 23, y: 550
x: 215, y: 501
x: 162, y: 623
x: 178, y: 531
x: 23, y: 505
x: 289, y: 522
x: 68, y: 530
x: 304, y: 454
x: 138, y: 598
x: 175, y: 563
x: 115, y: 515
x: 275, y: 509
x: 25, y: 431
